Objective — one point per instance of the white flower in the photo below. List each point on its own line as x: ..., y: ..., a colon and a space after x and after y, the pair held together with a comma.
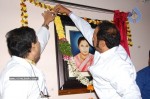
x: 75, y: 71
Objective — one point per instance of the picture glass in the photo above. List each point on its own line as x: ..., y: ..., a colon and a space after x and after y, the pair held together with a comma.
x: 73, y: 35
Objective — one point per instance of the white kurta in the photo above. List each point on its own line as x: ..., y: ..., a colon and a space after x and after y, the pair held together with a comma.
x: 113, y: 72
x: 19, y: 67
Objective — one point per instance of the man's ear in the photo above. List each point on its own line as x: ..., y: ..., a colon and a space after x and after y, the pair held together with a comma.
x: 103, y: 43
x: 103, y: 46
x: 33, y: 46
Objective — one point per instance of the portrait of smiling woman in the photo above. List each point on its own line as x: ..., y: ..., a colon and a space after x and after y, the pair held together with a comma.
x: 84, y: 58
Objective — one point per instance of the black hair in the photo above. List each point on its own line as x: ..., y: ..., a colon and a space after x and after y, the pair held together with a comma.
x: 19, y: 41
x: 109, y: 33
x: 81, y: 39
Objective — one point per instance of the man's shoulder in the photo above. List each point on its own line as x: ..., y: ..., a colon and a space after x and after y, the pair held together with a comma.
x: 16, y: 70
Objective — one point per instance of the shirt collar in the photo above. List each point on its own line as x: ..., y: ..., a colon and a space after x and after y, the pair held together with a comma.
x: 22, y: 61
x: 108, y: 53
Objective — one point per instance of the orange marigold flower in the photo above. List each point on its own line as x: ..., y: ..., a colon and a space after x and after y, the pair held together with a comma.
x: 90, y: 87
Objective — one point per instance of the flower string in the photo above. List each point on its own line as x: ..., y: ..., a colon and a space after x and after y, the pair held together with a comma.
x: 24, y: 15
x: 130, y: 43
x: 59, y: 28
x: 75, y: 71
x: 64, y: 46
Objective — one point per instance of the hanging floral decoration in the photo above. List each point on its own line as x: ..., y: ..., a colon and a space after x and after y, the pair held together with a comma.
x: 24, y: 15
x: 64, y: 45
x: 130, y: 43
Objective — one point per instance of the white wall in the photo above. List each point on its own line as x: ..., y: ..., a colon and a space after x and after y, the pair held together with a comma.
x: 10, y: 19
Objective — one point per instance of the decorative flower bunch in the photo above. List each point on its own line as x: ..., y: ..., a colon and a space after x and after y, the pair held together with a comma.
x: 75, y: 71
x: 24, y: 15
x: 64, y: 46
x: 130, y: 43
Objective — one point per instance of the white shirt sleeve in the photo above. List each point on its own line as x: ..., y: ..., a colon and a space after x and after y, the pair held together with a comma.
x: 83, y: 26
x: 43, y: 37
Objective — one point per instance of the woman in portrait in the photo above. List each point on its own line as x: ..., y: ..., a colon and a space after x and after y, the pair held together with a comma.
x: 83, y: 59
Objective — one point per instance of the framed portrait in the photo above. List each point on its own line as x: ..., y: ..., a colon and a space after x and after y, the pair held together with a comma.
x: 67, y: 83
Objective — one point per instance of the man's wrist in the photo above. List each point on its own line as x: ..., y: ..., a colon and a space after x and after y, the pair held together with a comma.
x: 45, y: 25
x: 70, y: 13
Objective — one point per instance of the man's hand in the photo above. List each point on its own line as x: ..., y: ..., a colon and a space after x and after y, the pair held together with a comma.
x: 61, y: 9
x: 48, y: 17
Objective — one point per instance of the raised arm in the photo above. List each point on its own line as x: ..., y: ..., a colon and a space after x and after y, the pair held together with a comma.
x: 43, y: 34
x: 81, y: 24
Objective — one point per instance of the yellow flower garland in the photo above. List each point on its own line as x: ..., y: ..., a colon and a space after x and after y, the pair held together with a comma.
x: 24, y: 15
x: 59, y: 28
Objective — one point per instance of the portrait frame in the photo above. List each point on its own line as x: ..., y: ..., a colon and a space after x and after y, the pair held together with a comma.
x: 67, y: 84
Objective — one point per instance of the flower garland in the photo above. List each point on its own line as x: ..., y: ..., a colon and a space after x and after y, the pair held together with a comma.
x: 64, y: 46
x: 24, y: 15
x: 130, y: 43
x: 72, y: 68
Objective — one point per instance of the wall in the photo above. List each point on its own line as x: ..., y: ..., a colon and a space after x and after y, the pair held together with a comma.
x: 10, y: 18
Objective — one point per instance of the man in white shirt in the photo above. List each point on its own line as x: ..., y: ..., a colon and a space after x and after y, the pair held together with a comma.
x: 113, y: 72
x: 21, y: 79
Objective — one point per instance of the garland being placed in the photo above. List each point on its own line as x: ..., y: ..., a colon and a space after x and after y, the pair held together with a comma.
x: 64, y: 45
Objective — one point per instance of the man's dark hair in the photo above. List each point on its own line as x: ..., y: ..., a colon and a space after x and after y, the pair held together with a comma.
x: 81, y: 39
x: 109, y: 33
x: 19, y: 41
